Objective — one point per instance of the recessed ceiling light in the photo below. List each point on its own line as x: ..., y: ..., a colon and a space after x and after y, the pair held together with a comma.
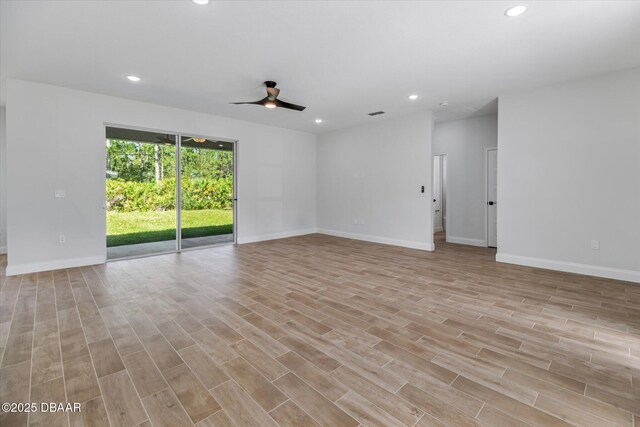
x: 201, y: 2
x: 318, y: 120
x: 134, y: 78
x: 413, y: 97
x: 515, y: 11
x: 444, y: 104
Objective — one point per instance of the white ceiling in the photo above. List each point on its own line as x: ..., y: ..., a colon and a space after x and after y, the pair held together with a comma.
x: 342, y: 59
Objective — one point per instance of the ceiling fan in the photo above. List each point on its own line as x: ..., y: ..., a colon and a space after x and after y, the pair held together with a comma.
x: 166, y: 139
x: 194, y: 139
x: 272, y: 101
x: 170, y: 139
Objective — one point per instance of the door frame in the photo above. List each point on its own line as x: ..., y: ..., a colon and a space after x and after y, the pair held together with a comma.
x: 486, y: 194
x: 178, y: 135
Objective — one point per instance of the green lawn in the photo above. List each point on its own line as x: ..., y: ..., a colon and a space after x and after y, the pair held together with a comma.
x: 126, y: 228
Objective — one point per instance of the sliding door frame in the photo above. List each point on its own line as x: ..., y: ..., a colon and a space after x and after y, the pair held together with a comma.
x: 178, y: 193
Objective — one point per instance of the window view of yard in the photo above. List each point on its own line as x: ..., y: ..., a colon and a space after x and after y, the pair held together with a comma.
x: 129, y: 228
x: 141, y: 199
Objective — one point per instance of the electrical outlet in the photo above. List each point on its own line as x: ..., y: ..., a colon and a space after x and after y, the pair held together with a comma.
x: 595, y: 245
x: 62, y: 238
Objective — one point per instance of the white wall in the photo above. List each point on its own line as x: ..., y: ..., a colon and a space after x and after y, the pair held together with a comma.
x: 372, y: 175
x: 465, y: 142
x: 3, y: 182
x: 569, y: 172
x: 55, y: 140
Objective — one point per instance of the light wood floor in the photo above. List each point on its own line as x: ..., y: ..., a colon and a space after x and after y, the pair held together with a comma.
x: 318, y: 330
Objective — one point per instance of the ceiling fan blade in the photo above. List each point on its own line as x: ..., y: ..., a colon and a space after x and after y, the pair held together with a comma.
x: 254, y: 102
x: 290, y: 106
x: 260, y: 102
x: 166, y: 139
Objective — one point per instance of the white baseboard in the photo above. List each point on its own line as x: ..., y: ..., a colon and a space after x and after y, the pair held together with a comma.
x: 378, y: 239
x: 36, y: 267
x: 3, y: 250
x: 466, y: 241
x: 571, y: 267
x: 274, y: 236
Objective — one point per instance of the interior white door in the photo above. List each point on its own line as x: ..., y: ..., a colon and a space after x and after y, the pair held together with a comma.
x: 437, y: 193
x: 492, y: 198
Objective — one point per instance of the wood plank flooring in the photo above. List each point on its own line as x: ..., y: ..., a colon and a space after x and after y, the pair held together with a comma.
x: 318, y: 330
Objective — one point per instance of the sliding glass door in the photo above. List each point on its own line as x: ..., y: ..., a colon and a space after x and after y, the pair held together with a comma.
x: 156, y: 181
x: 206, y: 191
x: 140, y: 192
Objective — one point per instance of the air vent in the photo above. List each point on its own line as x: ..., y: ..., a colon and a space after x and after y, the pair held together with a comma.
x: 376, y: 113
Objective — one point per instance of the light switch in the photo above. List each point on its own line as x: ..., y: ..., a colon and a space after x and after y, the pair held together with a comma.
x: 60, y: 194
x: 595, y: 245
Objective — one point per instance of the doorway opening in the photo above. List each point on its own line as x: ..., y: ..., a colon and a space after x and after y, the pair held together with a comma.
x: 439, y: 198
x: 166, y: 192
